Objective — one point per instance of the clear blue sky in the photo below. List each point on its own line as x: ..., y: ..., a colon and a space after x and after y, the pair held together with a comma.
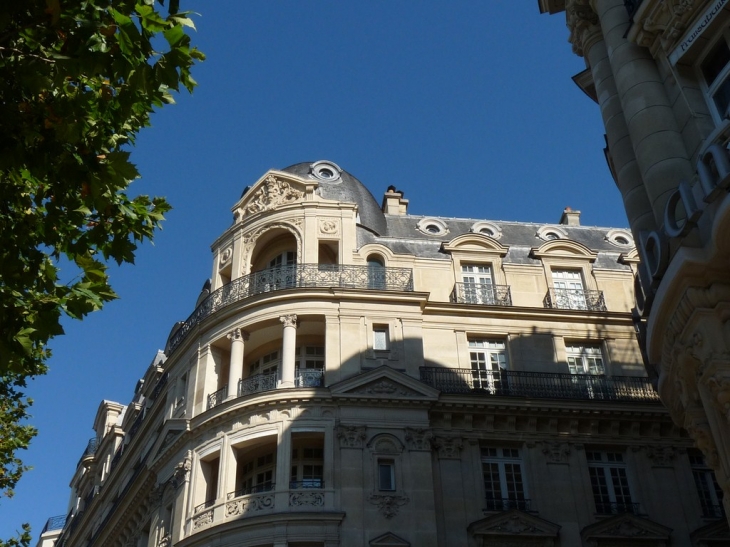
x: 466, y: 106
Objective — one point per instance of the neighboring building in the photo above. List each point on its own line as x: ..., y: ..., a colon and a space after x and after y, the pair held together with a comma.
x: 353, y: 375
x: 660, y: 72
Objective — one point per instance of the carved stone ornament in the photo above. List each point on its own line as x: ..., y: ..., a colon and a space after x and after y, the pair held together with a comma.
x: 165, y: 541
x: 514, y: 525
x: 448, y: 447
x: 203, y: 519
x: 328, y: 226
x: 583, y: 24
x: 289, y: 320
x: 154, y: 498
x: 238, y: 334
x: 384, y: 387
x: 272, y: 193
x: 418, y: 439
x: 182, y: 471
x: 556, y: 452
x: 625, y: 529
x: 661, y: 456
x: 249, y: 504
x: 350, y: 436
x: 306, y: 499
x: 388, y: 504
x: 226, y: 255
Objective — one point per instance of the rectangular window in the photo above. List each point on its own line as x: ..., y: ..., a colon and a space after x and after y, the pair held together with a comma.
x: 477, y: 284
x: 386, y: 475
x: 715, y: 69
x: 380, y: 338
x: 568, y: 290
x: 708, y: 490
x: 488, y: 361
x: 611, y: 493
x: 307, y: 461
x: 504, y: 488
x: 585, y: 359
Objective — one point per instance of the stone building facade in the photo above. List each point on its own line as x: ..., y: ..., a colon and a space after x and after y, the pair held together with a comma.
x: 355, y: 375
x: 660, y: 73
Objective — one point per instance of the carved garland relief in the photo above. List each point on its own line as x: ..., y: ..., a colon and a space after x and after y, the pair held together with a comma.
x: 272, y: 193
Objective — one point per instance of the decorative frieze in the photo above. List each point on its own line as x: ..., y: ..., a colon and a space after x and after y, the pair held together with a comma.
x: 661, y: 456
x: 448, y: 447
x: 351, y: 436
x: 388, y: 504
x: 418, y: 439
x: 249, y: 504
x: 556, y: 452
x: 306, y: 499
x: 202, y: 520
x: 385, y: 387
x: 271, y: 194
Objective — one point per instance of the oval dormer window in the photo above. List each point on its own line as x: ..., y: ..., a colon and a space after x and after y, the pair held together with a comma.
x: 326, y: 171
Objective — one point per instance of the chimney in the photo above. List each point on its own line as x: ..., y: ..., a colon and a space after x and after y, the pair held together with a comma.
x: 393, y: 202
x: 570, y: 217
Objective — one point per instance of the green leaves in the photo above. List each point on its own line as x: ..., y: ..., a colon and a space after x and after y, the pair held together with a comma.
x: 78, y: 81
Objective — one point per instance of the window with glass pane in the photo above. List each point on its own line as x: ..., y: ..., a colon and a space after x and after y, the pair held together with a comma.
x: 386, y: 475
x: 609, y: 482
x: 715, y: 70
x: 267, y: 364
x: 504, y: 487
x: 568, y: 289
x: 488, y: 360
x: 256, y: 474
x: 708, y: 490
x: 380, y: 338
x: 585, y: 359
x: 478, y: 284
x: 307, y: 461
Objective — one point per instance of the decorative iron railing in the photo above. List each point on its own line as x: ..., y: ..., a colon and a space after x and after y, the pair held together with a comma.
x: 616, y: 508
x: 481, y: 293
x: 54, y: 523
x: 264, y: 487
x: 713, y: 511
x: 306, y: 483
x: 541, y: 385
x: 117, y: 456
x: 137, y: 424
x: 309, y: 378
x: 90, y: 449
x: 217, y: 397
x: 506, y: 504
x: 257, y: 383
x: 632, y: 6
x: 204, y: 505
x: 575, y: 299
x: 161, y: 383
x: 295, y: 276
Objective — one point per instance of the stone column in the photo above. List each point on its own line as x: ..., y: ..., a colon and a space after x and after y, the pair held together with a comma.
x: 657, y: 141
x: 235, y: 370
x: 288, y: 350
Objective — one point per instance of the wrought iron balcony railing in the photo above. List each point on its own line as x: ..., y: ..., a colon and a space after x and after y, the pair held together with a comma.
x: 575, y: 299
x: 306, y: 483
x: 295, y: 276
x: 713, y: 510
x: 204, y: 505
x: 616, y: 508
x: 264, y: 487
x: 309, y: 378
x: 90, y: 449
x: 541, y: 385
x: 54, y: 523
x: 481, y: 293
x: 257, y: 383
x: 506, y: 504
x: 217, y: 397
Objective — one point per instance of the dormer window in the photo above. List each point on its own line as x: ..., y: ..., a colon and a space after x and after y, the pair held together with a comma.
x: 432, y: 226
x: 326, y: 171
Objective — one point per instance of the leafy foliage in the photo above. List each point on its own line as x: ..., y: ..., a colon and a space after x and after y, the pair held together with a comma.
x: 78, y: 80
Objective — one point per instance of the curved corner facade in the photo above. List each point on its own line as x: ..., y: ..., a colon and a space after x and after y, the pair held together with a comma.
x: 356, y: 375
x: 660, y: 72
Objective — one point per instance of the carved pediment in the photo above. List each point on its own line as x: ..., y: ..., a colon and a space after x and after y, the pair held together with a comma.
x: 512, y: 524
x: 716, y: 533
x: 273, y: 190
x: 388, y: 540
x: 172, y: 430
x: 626, y: 527
x: 383, y: 383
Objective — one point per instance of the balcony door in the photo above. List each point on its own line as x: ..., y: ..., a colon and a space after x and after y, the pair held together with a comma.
x: 585, y: 363
x: 478, y: 284
x: 569, y: 290
x: 309, y: 366
x: 488, y: 360
x: 281, y: 272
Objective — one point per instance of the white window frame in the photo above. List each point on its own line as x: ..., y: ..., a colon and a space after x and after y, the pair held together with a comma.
x: 569, y: 288
x: 381, y: 338
x: 507, y: 462
x: 308, y: 453
x: 478, y: 283
x: 710, y: 89
x: 585, y: 358
x: 488, y: 359
x: 610, y: 467
x: 708, y: 491
x: 266, y: 364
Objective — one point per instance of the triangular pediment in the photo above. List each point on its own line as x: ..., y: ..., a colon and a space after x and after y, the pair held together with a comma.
x: 626, y: 527
x: 388, y: 540
x: 514, y: 523
x: 170, y: 433
x: 713, y: 534
x: 383, y: 383
x: 275, y: 189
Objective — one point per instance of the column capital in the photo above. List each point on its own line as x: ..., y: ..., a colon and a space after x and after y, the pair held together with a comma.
x: 289, y: 320
x: 238, y: 334
x: 583, y: 24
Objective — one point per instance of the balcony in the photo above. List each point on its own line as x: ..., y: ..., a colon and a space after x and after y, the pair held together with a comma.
x: 617, y: 508
x: 54, y: 523
x: 484, y: 294
x: 575, y: 299
x: 292, y: 277
x: 217, y: 397
x: 540, y: 385
x: 257, y: 383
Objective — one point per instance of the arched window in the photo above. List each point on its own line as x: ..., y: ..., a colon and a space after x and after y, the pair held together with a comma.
x: 376, y: 273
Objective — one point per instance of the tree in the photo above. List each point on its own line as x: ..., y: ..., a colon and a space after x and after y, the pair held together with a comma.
x: 78, y: 80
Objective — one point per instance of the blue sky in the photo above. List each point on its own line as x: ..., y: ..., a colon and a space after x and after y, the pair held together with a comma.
x: 466, y: 106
